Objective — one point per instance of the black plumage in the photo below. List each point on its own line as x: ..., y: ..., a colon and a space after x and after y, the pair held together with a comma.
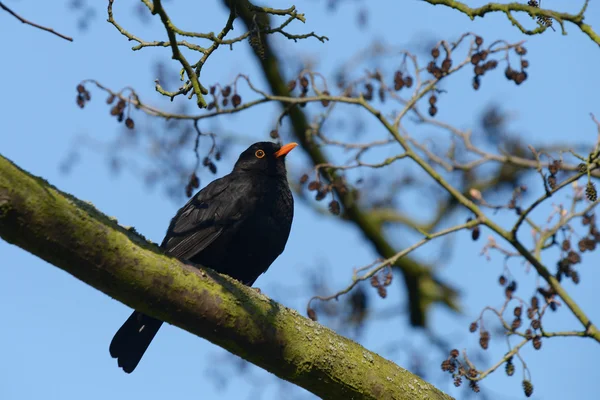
x: 237, y: 225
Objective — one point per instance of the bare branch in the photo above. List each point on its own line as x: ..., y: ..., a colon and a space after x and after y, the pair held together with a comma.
x: 534, y: 12
x: 25, y: 21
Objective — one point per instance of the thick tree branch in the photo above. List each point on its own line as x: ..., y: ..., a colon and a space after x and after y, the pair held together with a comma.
x: 77, y: 238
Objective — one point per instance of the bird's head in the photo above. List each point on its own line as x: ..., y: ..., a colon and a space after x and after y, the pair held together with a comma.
x: 264, y: 157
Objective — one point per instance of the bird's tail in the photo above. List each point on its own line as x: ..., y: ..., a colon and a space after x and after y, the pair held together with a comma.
x: 133, y: 338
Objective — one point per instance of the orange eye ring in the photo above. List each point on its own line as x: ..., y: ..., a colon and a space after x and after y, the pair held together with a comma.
x: 259, y: 153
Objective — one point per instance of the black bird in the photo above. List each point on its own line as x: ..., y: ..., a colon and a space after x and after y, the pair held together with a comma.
x: 237, y: 225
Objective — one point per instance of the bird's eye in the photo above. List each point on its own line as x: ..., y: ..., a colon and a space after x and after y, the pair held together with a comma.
x: 259, y: 154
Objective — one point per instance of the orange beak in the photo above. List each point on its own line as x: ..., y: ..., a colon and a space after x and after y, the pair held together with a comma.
x: 285, y: 149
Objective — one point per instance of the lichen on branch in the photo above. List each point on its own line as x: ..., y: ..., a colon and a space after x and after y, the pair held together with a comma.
x: 74, y: 236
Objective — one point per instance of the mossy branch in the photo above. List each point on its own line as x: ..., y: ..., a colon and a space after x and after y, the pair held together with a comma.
x: 74, y: 236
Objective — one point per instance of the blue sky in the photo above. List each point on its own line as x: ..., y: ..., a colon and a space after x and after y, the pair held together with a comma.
x: 56, y: 330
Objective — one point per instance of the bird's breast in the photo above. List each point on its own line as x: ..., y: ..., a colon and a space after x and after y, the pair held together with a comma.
x: 275, y: 206
x: 271, y: 220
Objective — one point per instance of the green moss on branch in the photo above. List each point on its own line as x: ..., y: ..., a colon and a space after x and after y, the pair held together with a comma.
x: 75, y: 237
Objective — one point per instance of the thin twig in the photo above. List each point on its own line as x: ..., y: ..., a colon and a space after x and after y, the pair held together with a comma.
x: 25, y: 21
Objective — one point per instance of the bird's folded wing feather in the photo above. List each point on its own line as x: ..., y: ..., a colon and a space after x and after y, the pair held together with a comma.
x: 203, y: 219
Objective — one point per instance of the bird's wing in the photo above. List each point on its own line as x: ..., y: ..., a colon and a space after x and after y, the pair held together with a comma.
x: 204, y: 218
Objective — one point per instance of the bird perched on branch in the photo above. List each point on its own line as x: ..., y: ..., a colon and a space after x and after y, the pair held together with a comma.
x: 237, y: 225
